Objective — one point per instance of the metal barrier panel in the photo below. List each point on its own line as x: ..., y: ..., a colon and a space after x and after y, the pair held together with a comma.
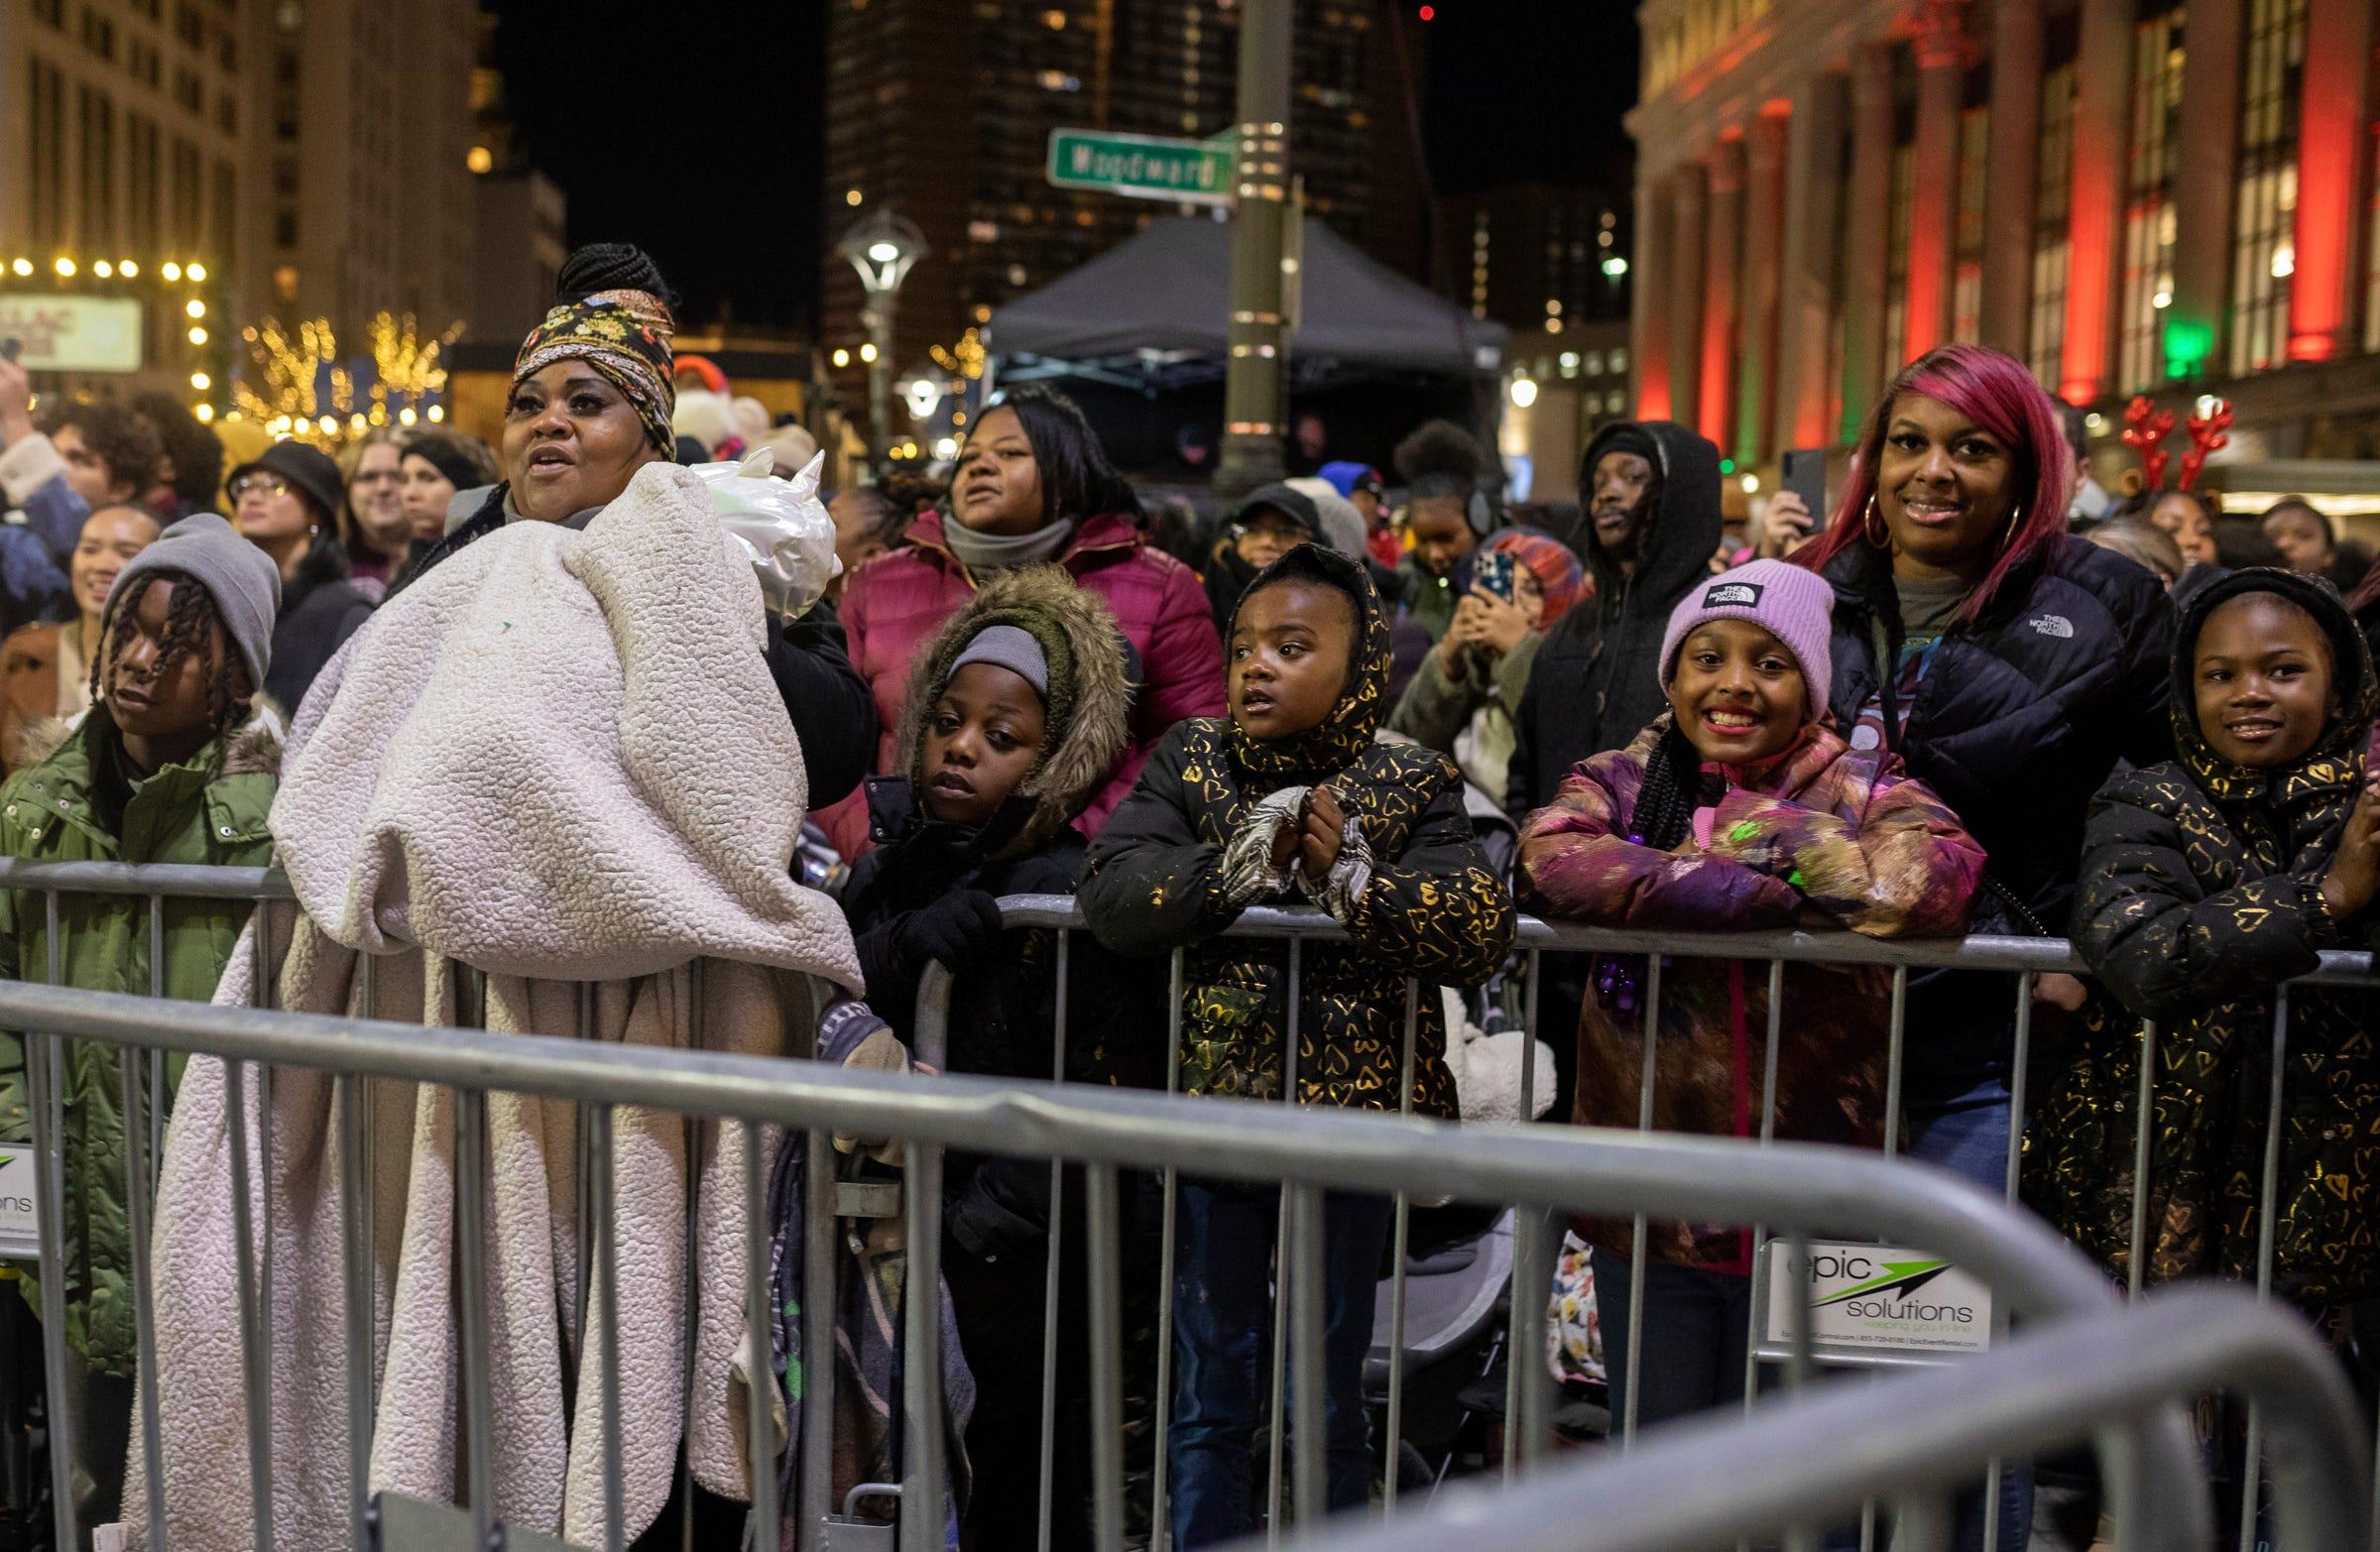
x: 1790, y: 1194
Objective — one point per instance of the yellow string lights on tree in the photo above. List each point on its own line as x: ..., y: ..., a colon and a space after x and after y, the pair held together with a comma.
x: 292, y: 394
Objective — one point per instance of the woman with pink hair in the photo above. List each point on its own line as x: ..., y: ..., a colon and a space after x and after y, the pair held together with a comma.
x: 2009, y: 666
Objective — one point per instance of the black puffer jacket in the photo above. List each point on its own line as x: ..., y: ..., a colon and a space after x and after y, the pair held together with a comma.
x: 1596, y: 681
x: 833, y: 712
x: 2201, y: 890
x: 2020, y: 717
x: 319, y: 610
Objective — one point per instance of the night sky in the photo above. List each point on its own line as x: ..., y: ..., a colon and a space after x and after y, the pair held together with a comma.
x: 694, y: 127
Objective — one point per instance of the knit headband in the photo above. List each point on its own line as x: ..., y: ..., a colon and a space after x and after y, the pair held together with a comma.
x: 623, y: 335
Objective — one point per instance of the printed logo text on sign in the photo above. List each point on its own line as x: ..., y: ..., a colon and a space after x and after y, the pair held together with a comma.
x: 1873, y: 1303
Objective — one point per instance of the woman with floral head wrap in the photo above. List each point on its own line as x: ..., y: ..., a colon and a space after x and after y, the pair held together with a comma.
x: 592, y: 393
x: 1463, y: 698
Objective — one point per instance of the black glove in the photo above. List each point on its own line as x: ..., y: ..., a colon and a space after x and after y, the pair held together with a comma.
x: 950, y: 931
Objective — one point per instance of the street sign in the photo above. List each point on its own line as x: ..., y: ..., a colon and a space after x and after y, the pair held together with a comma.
x: 1142, y: 167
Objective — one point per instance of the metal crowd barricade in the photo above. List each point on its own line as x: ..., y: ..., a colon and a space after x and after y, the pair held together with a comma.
x: 1706, y: 1482
x: 2025, y: 960
x: 1805, y: 1189
x: 1795, y: 1192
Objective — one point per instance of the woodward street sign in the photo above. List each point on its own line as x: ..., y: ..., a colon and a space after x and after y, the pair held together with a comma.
x: 1142, y: 167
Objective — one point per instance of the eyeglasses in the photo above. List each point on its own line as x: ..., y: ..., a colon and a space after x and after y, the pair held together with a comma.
x: 1277, y: 532
x: 378, y: 477
x: 262, y: 484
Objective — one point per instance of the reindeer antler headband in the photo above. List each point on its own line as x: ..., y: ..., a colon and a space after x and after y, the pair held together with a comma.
x: 2145, y: 428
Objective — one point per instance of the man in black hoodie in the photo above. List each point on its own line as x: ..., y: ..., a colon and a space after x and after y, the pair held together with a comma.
x: 1652, y: 493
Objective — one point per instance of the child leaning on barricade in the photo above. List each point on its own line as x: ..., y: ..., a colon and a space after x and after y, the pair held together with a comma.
x: 1740, y: 808
x: 1292, y: 800
x: 1016, y: 714
x: 164, y: 767
x: 2207, y: 881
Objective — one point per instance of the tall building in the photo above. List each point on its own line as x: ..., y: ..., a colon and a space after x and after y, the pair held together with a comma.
x: 521, y: 215
x: 1534, y: 256
x: 942, y: 110
x: 2131, y: 195
x: 365, y: 199
x: 121, y: 137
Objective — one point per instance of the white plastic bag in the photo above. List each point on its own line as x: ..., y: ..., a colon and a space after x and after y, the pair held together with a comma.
x: 781, y: 524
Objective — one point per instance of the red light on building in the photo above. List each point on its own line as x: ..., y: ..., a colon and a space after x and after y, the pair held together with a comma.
x: 1429, y: 13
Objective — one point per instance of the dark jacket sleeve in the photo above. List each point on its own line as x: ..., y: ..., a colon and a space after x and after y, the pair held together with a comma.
x: 2165, y: 947
x: 1436, y: 910
x: 2148, y: 686
x: 1150, y: 885
x: 1521, y: 798
x: 833, y: 713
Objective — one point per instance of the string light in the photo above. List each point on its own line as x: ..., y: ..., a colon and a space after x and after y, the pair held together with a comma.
x: 868, y: 352
x: 205, y: 413
x: 198, y: 335
x: 65, y: 267
x: 195, y: 307
x: 405, y: 417
x: 842, y: 357
x: 437, y: 413
x: 104, y: 270
x: 201, y: 382
x: 171, y: 271
x: 129, y: 269
x: 23, y: 265
x: 197, y: 273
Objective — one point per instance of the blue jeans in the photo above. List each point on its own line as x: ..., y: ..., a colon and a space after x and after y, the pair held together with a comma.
x: 1221, y: 1305
x: 1969, y: 1137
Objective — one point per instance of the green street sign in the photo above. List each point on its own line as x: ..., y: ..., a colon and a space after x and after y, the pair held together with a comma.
x: 1142, y: 167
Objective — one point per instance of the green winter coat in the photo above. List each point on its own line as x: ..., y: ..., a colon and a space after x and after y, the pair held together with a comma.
x: 210, y: 810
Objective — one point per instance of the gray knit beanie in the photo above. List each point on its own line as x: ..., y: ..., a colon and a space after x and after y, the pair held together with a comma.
x: 1008, y: 647
x: 241, y: 578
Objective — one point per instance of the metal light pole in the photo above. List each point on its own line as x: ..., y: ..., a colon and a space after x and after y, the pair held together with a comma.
x: 881, y: 248
x: 1260, y: 359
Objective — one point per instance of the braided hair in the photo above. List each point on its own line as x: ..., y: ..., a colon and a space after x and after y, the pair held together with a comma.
x: 1665, y: 802
x: 600, y: 266
x: 191, y: 620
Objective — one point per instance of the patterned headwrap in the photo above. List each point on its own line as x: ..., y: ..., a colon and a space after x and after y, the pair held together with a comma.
x: 1559, y: 575
x: 623, y: 335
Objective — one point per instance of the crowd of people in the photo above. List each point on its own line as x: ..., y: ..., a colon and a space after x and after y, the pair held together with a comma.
x: 1981, y: 695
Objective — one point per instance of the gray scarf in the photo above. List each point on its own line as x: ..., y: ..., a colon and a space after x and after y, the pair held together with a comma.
x: 980, y: 551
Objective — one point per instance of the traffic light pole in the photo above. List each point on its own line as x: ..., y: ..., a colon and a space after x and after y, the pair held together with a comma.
x: 1253, y: 398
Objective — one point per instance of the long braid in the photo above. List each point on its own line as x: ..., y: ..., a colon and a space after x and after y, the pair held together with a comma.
x: 190, y: 622
x: 1665, y: 802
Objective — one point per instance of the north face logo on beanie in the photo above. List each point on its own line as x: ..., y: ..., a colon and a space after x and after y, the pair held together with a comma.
x: 1734, y: 595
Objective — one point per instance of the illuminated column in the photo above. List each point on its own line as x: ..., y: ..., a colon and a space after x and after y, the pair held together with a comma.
x: 1689, y: 207
x: 2011, y: 175
x: 1806, y: 300
x: 2203, y: 180
x: 2330, y: 149
x: 2102, y: 100
x: 1763, y: 223
x: 1721, y: 268
x: 1934, y: 191
x: 1648, y: 290
x: 1866, y: 231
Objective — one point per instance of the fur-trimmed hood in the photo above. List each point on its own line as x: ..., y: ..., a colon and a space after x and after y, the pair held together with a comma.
x: 253, y: 748
x: 1089, y: 698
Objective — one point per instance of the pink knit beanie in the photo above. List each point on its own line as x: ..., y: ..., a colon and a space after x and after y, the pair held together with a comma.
x: 1790, y: 603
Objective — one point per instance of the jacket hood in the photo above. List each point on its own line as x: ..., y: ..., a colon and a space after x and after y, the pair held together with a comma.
x: 2338, y: 753
x: 253, y: 748
x: 1681, y: 532
x: 1089, y: 691
x: 1327, y: 748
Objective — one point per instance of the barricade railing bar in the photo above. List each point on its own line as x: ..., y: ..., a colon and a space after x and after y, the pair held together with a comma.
x: 1825, y: 1189
x: 1818, y: 1457
x: 1786, y: 1191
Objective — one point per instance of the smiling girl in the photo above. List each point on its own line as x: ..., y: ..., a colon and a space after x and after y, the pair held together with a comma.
x: 1740, y: 807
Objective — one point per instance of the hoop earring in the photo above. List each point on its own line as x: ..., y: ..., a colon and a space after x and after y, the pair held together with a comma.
x: 1871, y: 527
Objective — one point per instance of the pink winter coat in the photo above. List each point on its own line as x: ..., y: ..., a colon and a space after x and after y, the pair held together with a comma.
x: 896, y: 602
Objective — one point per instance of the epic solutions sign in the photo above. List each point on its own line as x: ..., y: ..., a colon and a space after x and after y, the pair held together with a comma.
x: 1871, y: 1303
x: 58, y: 334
